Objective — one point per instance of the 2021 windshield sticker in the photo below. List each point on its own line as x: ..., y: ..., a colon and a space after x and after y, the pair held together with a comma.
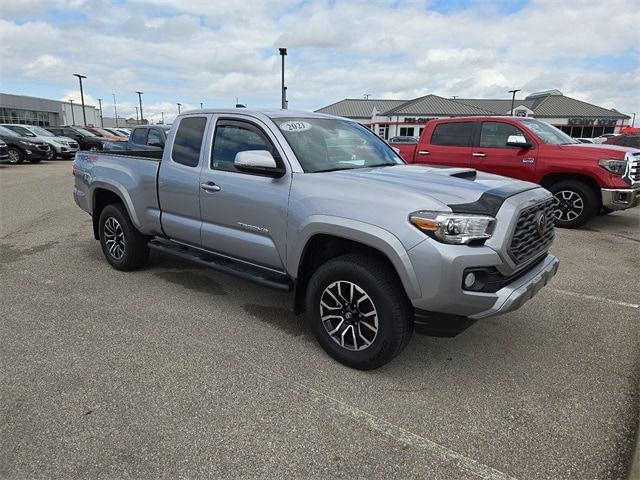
x: 295, y: 126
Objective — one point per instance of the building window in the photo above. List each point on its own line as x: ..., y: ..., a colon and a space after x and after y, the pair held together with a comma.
x: 406, y: 131
x: 382, y: 131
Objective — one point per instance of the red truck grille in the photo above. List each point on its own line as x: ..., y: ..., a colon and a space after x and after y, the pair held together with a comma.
x: 634, y: 168
x: 534, y: 232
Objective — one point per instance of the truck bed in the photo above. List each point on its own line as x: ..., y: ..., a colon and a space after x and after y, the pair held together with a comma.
x: 132, y: 175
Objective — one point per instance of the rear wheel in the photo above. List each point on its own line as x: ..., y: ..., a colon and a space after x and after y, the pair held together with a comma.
x: 15, y: 155
x: 358, y: 311
x: 124, y: 247
x: 575, y: 203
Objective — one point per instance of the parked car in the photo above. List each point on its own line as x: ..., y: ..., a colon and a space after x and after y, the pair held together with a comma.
x: 148, y: 137
x: 117, y: 133
x: 63, y: 147
x: 101, y: 132
x: 602, y: 138
x: 24, y: 149
x: 626, y: 140
x: 320, y: 205
x: 404, y: 139
x: 585, y: 140
x: 4, y: 152
x: 585, y: 179
x: 86, y: 139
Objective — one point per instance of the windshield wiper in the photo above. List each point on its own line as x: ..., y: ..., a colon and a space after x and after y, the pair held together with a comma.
x: 335, y: 169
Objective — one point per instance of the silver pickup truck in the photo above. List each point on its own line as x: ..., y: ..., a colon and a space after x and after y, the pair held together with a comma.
x: 372, y: 248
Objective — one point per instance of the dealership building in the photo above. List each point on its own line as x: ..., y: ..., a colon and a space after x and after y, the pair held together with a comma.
x: 390, y: 118
x: 52, y: 113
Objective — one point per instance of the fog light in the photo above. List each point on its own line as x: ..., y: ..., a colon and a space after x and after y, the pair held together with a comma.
x: 469, y: 280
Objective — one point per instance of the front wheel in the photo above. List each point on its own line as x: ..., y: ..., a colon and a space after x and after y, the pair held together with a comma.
x: 575, y: 203
x: 94, y: 148
x: 124, y: 247
x: 358, y: 311
x: 15, y: 156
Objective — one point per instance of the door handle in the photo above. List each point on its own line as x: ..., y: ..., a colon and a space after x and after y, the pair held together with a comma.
x: 423, y: 152
x: 209, y: 187
x: 479, y: 154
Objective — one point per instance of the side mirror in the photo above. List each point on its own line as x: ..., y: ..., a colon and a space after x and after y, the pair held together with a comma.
x: 259, y: 162
x: 518, y: 141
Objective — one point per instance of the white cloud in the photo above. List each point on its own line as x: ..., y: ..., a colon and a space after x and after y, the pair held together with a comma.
x: 214, y: 51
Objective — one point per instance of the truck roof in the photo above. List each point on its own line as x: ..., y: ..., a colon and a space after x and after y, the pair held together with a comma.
x: 270, y: 113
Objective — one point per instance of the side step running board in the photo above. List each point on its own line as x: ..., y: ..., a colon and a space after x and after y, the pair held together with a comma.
x: 256, y: 274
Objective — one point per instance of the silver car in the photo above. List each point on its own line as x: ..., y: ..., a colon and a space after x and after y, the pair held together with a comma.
x: 63, y: 147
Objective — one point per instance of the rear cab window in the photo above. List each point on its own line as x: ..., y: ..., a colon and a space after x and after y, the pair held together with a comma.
x: 454, y: 134
x: 139, y: 136
x: 188, y: 141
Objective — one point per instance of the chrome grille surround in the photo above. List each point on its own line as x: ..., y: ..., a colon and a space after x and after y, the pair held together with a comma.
x: 534, y: 232
x: 632, y: 175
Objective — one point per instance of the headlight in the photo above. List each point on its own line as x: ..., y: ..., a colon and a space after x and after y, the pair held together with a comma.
x: 28, y: 144
x: 457, y: 228
x: 617, y: 167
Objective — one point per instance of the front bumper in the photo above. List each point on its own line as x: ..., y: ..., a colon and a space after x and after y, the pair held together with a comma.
x: 620, y: 198
x: 517, y: 293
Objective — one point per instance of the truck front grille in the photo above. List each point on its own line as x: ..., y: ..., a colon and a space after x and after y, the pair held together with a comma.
x: 634, y: 168
x: 534, y: 232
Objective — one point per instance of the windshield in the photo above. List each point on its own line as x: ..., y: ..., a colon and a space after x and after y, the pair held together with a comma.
x: 324, y: 145
x: 8, y: 132
x: 23, y: 132
x: 41, y: 132
x: 548, y: 133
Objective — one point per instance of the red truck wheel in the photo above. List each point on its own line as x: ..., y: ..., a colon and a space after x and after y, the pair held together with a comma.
x: 575, y: 203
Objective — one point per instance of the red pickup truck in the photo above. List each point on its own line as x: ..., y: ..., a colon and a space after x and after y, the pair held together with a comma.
x: 586, y: 179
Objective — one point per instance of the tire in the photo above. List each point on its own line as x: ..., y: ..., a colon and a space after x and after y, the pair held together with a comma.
x: 377, y: 297
x: 576, y: 203
x: 124, y: 247
x: 94, y: 148
x: 16, y: 156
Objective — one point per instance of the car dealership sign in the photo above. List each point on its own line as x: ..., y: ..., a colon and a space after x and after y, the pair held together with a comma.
x: 590, y: 122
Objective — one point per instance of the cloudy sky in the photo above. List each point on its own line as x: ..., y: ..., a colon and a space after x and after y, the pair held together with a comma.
x: 217, y: 51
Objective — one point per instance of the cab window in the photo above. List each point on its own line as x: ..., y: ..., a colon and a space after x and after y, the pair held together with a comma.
x: 496, y: 134
x: 188, y: 141
x: 455, y: 134
x: 232, y: 137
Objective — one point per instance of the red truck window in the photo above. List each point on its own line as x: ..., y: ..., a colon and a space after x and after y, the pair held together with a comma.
x: 495, y: 134
x: 454, y: 134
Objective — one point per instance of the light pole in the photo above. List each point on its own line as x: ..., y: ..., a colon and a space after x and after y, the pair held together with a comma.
x: 101, y: 121
x: 115, y: 109
x: 633, y: 122
x: 179, y: 105
x: 84, y: 115
x: 283, y: 53
x: 200, y: 105
x: 140, y: 100
x: 73, y: 117
x: 162, y: 113
x: 513, y: 99
x: 137, y: 121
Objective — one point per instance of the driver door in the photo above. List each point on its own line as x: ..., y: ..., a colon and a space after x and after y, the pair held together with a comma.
x: 244, y: 215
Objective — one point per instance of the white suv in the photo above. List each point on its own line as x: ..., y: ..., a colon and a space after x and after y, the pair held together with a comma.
x: 64, y: 147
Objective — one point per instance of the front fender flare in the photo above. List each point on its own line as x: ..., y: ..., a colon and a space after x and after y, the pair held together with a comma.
x: 361, y: 232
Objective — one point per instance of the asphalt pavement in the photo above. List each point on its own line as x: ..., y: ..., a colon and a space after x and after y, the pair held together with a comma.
x: 175, y: 371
